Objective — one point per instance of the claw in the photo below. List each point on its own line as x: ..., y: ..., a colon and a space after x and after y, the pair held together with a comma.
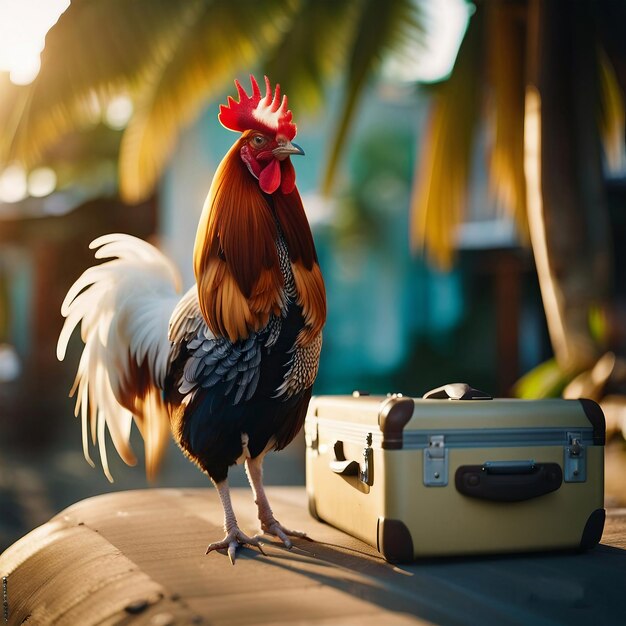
x: 278, y: 530
x: 233, y: 540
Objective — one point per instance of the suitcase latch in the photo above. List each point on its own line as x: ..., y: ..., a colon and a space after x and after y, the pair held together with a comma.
x: 436, y: 462
x: 575, y: 459
x: 350, y: 467
x: 366, y: 471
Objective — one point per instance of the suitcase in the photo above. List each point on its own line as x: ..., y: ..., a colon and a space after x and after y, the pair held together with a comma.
x: 457, y: 472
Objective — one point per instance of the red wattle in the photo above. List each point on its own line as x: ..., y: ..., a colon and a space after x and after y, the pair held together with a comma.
x: 269, y: 179
x: 288, y: 176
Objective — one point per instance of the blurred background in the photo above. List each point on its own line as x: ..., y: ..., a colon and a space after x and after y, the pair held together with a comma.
x: 465, y: 179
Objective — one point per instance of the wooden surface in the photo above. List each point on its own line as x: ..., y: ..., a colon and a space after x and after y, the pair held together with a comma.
x: 138, y: 557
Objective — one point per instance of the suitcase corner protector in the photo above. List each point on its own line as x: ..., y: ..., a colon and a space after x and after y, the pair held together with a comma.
x: 595, y: 415
x: 394, y: 540
x: 592, y: 534
x: 394, y: 415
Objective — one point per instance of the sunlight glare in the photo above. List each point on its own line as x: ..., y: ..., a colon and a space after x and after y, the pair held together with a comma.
x: 13, y: 187
x: 118, y: 112
x: 23, y: 27
x: 445, y: 22
x: 41, y: 182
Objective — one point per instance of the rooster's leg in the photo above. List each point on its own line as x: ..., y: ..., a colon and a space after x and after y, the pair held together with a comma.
x: 254, y: 469
x: 234, y: 537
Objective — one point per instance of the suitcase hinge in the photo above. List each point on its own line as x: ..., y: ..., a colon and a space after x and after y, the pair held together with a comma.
x: 575, y: 459
x: 436, y: 462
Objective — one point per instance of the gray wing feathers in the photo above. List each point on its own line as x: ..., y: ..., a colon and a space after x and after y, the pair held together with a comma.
x: 186, y: 322
x: 212, y: 360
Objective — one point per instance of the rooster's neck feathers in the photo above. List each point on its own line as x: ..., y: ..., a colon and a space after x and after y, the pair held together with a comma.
x: 240, y: 283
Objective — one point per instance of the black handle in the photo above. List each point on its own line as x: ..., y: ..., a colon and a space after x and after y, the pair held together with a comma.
x: 508, y: 481
x: 456, y: 391
x: 341, y: 465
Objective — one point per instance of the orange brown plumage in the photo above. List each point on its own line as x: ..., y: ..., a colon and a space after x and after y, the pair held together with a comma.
x: 235, y: 259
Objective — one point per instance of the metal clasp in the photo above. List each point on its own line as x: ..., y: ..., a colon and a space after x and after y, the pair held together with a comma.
x: 436, y: 462
x: 575, y: 459
x: 366, y: 472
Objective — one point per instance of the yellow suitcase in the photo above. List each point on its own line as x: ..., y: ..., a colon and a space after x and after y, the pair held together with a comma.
x: 457, y: 472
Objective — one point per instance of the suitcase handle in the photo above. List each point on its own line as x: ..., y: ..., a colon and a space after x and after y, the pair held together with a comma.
x: 508, y: 481
x: 346, y: 467
x: 341, y: 465
x: 456, y: 391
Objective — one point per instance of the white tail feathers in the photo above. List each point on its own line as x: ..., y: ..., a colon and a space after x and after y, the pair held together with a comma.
x: 123, y: 307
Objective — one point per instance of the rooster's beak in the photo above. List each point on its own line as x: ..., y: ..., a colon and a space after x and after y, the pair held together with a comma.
x: 287, y: 149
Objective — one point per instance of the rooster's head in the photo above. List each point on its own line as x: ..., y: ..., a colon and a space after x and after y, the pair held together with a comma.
x: 268, y: 131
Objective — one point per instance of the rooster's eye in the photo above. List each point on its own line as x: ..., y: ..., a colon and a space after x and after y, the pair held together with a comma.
x: 258, y: 140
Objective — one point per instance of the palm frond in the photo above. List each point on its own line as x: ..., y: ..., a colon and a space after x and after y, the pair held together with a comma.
x: 442, y: 177
x: 382, y: 27
x: 612, y: 119
x: 220, y: 41
x: 609, y: 18
x: 90, y: 53
x: 546, y: 380
x: 506, y: 39
x: 308, y: 52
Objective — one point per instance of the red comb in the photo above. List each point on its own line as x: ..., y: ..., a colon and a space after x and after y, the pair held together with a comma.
x: 268, y: 114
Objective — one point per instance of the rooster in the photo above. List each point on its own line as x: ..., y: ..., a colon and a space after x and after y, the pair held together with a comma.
x: 228, y: 368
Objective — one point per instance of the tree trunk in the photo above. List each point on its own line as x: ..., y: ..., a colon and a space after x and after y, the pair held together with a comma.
x: 567, y: 210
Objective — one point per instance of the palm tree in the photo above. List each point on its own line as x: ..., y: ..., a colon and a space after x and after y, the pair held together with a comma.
x: 547, y: 80
x: 551, y: 76
x: 172, y: 58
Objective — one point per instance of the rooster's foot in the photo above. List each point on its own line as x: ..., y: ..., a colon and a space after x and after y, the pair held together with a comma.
x: 233, y: 540
x: 275, y: 528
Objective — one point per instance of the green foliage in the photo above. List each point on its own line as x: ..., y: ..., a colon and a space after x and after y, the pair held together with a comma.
x: 599, y: 325
x: 171, y: 58
x: 382, y: 27
x: 547, y: 380
x: 381, y: 165
x: 97, y: 49
x: 306, y: 56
